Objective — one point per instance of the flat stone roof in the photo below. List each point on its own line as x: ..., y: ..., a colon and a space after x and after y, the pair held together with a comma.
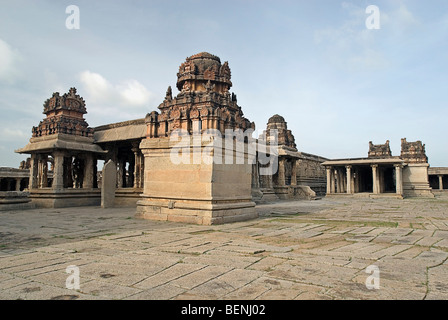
x: 363, y: 161
x: 120, y: 131
x: 438, y: 170
x: 6, y: 172
x: 61, y: 141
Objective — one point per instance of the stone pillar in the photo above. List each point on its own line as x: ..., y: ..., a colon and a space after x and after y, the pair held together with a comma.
x: 333, y: 182
x: 440, y: 182
x: 108, y: 184
x: 294, y: 172
x: 120, y: 173
x: 33, y: 172
x: 142, y: 171
x: 18, y: 180
x: 281, y: 173
x: 137, y: 183
x: 43, y: 171
x: 329, y: 176
x: 382, y: 184
x: 68, y: 172
x: 376, y: 187
x: 88, y: 172
x: 58, y: 171
x: 340, y: 181
x: 399, y: 178
x: 255, y: 176
x: 349, y: 179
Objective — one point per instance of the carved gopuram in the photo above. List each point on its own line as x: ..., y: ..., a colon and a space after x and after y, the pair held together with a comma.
x: 381, y: 174
x: 178, y: 184
x: 62, y: 144
x: 299, y: 175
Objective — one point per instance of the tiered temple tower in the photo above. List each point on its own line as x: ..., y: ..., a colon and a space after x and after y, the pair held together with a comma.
x: 186, y: 187
x: 64, y: 140
x: 204, y: 101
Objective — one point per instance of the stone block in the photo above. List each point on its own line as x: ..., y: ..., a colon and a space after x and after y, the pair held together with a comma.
x: 108, y: 184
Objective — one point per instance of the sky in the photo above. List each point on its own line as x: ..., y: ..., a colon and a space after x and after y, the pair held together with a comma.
x: 338, y: 83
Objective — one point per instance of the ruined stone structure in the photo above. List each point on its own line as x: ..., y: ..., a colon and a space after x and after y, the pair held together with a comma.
x: 121, y: 141
x: 192, y: 190
x: 438, y: 178
x: 379, y: 150
x: 64, y: 144
x: 415, y: 177
x: 12, y: 179
x: 299, y: 175
x: 194, y: 160
x: 381, y: 173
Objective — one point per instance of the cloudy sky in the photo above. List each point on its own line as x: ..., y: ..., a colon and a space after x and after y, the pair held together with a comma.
x: 338, y: 84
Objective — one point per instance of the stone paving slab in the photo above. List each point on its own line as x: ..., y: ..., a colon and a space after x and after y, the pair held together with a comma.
x: 321, y: 253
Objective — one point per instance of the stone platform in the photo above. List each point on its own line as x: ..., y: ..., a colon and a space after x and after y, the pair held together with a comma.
x: 294, y: 250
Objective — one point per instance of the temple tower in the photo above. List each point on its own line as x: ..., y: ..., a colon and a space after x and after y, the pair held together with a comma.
x: 189, y: 175
x: 63, y: 155
x: 415, y: 174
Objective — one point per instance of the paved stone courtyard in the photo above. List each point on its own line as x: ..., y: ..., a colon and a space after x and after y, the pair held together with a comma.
x: 295, y: 250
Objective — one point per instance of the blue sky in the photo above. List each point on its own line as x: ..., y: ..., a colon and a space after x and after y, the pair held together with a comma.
x: 338, y: 84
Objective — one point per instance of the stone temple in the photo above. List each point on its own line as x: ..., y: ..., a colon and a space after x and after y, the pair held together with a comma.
x: 195, y: 159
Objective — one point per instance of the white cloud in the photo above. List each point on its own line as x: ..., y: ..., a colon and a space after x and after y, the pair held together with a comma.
x: 134, y: 93
x: 128, y: 93
x: 8, y: 62
x: 108, y: 102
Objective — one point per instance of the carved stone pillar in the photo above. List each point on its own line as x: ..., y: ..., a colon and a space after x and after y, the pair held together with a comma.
x: 349, y: 179
x: 440, y: 182
x: 281, y: 173
x: 120, y: 173
x: 137, y: 169
x: 399, y: 179
x: 255, y: 176
x: 18, y: 181
x: 88, y: 172
x: 68, y: 172
x: 33, y: 172
x: 142, y: 171
x: 58, y: 170
x: 43, y: 171
x: 333, y: 180
x: 329, y: 178
x: 376, y: 187
x: 294, y: 172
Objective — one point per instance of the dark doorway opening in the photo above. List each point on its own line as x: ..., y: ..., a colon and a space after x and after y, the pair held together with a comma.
x: 389, y: 179
x: 365, y: 179
x: 434, y: 182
